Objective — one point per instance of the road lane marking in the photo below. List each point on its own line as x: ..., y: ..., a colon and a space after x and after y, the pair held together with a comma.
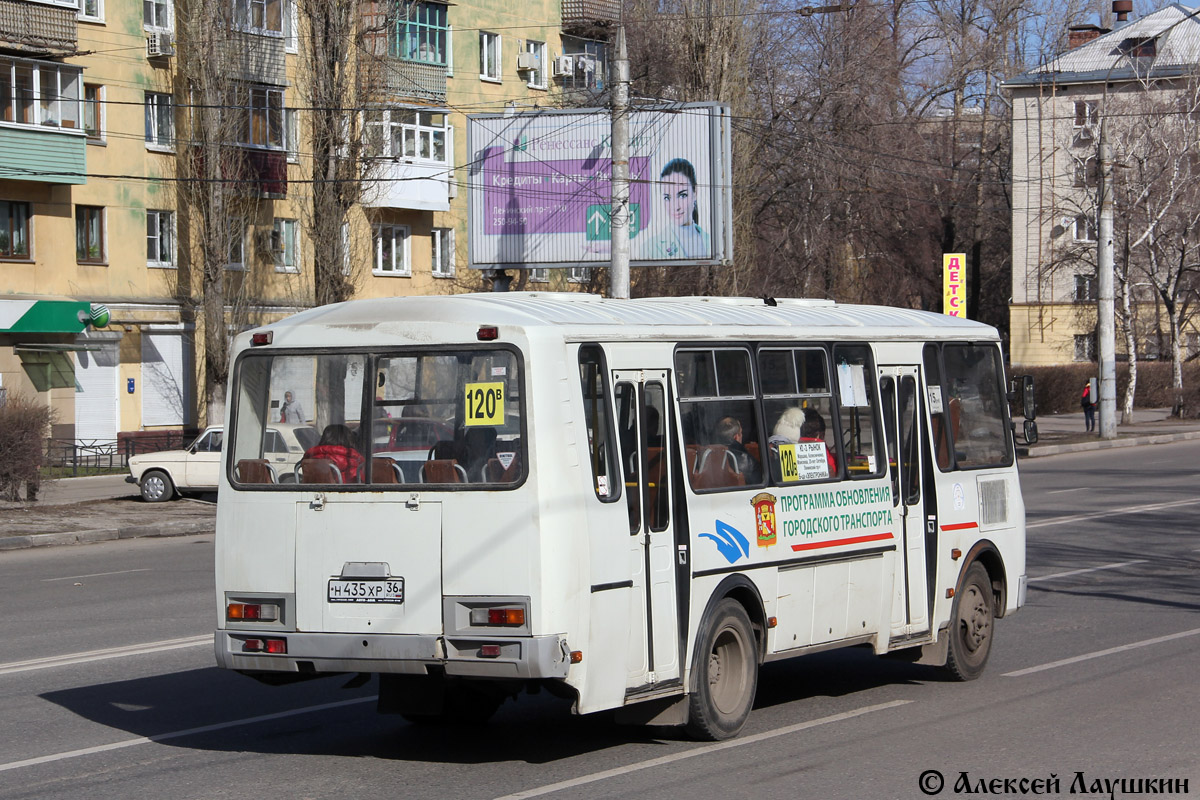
x: 101, y: 655
x: 1110, y: 651
x: 1082, y: 571
x: 583, y: 780
x: 1116, y: 512
x: 96, y: 575
x: 1064, y: 491
x: 162, y: 737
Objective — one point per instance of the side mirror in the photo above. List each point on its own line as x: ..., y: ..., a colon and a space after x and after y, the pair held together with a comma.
x: 1030, y: 431
x: 1029, y: 401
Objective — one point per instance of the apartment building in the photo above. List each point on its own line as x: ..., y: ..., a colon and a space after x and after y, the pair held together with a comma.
x: 1056, y: 114
x: 102, y: 280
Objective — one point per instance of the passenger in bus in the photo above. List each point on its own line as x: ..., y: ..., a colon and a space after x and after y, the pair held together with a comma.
x: 813, y: 430
x: 337, y: 445
x: 787, y: 427
x: 729, y: 433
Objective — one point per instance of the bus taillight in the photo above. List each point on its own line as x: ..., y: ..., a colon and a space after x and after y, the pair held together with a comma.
x: 497, y: 616
x: 254, y: 612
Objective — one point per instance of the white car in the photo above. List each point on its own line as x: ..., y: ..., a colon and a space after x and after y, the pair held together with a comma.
x: 162, y: 475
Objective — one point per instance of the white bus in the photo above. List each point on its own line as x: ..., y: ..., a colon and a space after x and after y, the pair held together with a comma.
x: 634, y: 503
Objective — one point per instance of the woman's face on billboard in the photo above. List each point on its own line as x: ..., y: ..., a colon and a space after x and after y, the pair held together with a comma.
x: 679, y: 198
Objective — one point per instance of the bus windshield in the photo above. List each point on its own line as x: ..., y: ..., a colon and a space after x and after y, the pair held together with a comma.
x: 446, y: 417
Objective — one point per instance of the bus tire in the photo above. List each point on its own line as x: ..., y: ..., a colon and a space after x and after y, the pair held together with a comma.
x: 724, y: 674
x: 156, y: 487
x: 973, y: 626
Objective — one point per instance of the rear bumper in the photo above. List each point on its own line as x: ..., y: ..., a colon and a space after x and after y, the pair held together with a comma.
x: 526, y: 657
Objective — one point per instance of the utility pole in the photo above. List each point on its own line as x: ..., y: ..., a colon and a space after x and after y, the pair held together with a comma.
x: 1106, y: 311
x: 619, y: 219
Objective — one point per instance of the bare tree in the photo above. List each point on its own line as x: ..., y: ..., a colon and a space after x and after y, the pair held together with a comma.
x: 217, y: 194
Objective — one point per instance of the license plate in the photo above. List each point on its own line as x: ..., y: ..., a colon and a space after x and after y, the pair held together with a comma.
x: 389, y: 591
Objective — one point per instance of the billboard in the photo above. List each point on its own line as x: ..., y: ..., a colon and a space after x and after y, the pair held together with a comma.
x: 539, y: 187
x: 954, y: 284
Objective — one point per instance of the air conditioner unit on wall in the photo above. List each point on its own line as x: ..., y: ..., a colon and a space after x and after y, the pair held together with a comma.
x: 564, y: 66
x: 527, y: 62
x: 160, y: 45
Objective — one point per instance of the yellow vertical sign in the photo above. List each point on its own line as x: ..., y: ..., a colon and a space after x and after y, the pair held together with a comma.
x: 954, y: 284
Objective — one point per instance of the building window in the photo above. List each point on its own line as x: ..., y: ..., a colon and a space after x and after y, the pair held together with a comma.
x: 160, y: 119
x: 43, y: 94
x: 1085, y: 228
x: 258, y: 117
x: 284, y: 246
x: 237, y: 246
x: 578, y: 274
x: 391, y: 250
x: 291, y: 41
x: 156, y: 15
x: 420, y: 33
x: 160, y: 239
x: 89, y: 234
x: 91, y: 10
x: 1085, y: 288
x: 93, y: 110
x: 407, y: 133
x: 489, y: 56
x: 1087, y: 172
x: 259, y: 16
x: 443, y: 252
x: 1085, y: 347
x: 539, y: 275
x: 536, y: 57
x: 291, y: 132
x: 14, y: 229
x: 1087, y: 114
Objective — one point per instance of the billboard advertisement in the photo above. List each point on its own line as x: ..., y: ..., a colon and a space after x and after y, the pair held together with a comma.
x: 539, y: 187
x: 954, y: 284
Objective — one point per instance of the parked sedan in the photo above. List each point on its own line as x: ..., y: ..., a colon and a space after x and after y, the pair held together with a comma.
x: 162, y: 475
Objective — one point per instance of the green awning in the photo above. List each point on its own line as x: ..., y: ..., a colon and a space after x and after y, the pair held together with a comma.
x: 44, y: 316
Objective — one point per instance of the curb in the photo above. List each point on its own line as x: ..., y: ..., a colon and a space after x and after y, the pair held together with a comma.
x: 166, y: 529
x: 1037, y: 451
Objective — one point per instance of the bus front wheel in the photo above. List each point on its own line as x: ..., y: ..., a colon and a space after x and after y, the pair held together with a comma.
x: 972, y: 627
x: 725, y: 675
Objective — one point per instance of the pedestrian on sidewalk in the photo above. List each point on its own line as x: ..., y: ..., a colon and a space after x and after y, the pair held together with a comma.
x: 1089, y: 407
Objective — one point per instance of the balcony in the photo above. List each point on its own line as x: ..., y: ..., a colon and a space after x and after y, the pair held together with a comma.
x: 268, y: 170
x: 587, y: 15
x: 41, y: 135
x: 39, y: 29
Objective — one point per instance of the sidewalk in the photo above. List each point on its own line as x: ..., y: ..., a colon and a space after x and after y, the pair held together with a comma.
x: 83, y: 510
x: 1064, y: 433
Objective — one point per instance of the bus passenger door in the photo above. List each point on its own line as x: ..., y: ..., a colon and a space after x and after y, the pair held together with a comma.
x: 901, y: 400
x: 644, y: 432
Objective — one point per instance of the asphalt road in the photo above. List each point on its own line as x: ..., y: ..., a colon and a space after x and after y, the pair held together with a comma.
x: 1096, y: 675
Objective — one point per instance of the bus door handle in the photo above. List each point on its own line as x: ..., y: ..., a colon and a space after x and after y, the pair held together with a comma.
x: 681, y: 555
x: 318, y: 502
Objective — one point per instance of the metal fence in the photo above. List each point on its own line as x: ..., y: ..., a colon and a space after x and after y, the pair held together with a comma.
x: 83, y: 455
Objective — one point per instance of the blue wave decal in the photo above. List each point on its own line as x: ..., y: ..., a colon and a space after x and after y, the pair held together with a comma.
x: 730, y: 542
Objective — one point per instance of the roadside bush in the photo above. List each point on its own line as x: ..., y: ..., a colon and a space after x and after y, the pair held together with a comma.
x: 24, y: 426
x: 1058, y: 388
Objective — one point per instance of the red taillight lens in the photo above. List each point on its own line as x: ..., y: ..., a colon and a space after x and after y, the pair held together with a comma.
x: 506, y: 616
x: 259, y: 339
x: 489, y: 651
x: 487, y: 333
x: 252, y: 646
x: 276, y: 646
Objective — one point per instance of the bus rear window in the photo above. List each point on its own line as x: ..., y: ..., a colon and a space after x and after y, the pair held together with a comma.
x: 387, y: 420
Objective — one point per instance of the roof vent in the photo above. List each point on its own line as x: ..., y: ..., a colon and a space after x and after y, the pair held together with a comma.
x: 1122, y: 8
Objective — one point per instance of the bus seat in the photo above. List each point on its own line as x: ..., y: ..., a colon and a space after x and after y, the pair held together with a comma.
x: 255, y: 470
x: 716, y: 467
x: 494, y: 471
x: 317, y: 470
x: 385, y: 470
x: 443, y: 470
x: 693, y: 452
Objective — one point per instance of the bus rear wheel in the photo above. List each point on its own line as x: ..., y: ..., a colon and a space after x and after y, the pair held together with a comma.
x: 973, y: 626
x: 724, y: 675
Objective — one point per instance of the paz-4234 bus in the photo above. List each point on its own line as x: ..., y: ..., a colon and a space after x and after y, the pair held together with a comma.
x: 635, y: 503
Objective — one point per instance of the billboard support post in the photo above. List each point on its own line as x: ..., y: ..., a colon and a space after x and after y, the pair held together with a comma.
x: 619, y: 269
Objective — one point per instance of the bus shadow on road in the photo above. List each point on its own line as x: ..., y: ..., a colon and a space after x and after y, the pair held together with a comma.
x: 214, y: 710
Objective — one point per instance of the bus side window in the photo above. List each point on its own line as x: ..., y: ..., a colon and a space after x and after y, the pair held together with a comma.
x: 597, y: 418
x: 719, y: 418
x: 974, y: 382
x: 859, y: 411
